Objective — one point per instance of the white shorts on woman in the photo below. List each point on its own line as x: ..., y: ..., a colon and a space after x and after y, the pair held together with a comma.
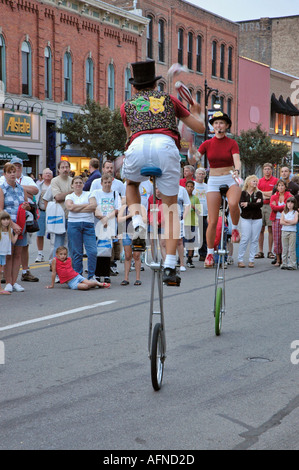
x: 157, y: 150
x: 214, y: 182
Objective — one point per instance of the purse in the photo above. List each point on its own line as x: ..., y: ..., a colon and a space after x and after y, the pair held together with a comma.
x: 31, y: 219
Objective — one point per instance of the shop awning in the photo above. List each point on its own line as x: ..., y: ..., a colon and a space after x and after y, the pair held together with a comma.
x: 7, y: 153
x: 296, y: 158
x: 281, y: 106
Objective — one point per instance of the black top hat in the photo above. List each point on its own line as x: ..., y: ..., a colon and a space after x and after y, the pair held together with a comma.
x: 222, y: 116
x: 144, y: 73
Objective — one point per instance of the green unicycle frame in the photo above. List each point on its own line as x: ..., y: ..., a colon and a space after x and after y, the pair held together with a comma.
x: 219, y: 297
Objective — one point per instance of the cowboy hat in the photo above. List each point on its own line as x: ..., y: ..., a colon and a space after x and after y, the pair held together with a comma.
x: 222, y: 116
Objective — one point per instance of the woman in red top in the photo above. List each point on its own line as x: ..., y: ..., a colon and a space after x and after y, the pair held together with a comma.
x: 223, y: 156
x: 277, y: 203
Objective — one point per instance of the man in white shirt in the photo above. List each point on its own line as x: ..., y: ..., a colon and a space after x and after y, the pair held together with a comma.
x: 31, y: 189
x: 118, y: 186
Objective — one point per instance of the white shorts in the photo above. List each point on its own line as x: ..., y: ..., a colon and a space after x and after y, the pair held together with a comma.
x: 154, y: 150
x: 214, y: 182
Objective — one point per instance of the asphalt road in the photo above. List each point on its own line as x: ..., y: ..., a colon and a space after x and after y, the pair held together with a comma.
x: 76, y: 373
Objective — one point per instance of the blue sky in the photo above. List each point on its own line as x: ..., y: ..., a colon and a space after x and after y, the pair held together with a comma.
x: 237, y: 10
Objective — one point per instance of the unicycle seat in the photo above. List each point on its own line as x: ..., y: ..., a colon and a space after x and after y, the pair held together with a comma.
x: 223, y: 189
x: 151, y: 171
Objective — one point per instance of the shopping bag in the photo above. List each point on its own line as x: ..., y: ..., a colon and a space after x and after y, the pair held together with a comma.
x: 55, y: 218
x: 104, y: 248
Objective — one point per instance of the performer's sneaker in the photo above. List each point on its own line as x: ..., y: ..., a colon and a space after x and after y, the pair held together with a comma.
x: 209, y: 261
x: 235, y: 236
x: 170, y: 277
x: 138, y: 241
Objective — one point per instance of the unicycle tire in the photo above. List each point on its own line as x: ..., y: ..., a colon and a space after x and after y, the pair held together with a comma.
x: 157, y: 357
x: 218, y: 311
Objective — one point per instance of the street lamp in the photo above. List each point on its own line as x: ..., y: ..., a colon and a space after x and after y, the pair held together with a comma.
x: 216, y: 105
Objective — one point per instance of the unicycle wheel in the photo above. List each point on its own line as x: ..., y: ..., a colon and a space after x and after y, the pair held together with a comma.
x: 157, y: 357
x: 218, y: 311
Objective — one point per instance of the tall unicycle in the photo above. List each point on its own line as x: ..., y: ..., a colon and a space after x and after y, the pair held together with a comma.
x: 219, y: 297
x: 156, y: 335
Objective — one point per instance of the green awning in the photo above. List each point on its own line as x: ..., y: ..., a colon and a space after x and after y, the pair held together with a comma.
x: 296, y: 158
x: 7, y: 153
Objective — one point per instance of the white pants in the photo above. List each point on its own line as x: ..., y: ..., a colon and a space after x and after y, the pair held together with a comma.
x: 250, y: 232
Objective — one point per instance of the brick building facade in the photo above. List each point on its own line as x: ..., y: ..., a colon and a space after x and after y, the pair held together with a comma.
x: 53, y: 53
x: 206, y: 43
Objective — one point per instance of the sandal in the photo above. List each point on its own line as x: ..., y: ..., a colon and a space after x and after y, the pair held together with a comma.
x: 271, y: 255
x: 260, y: 254
x: 124, y: 283
x: 137, y: 283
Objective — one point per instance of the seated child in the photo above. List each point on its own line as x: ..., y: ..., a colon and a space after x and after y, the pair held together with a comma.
x: 62, y: 266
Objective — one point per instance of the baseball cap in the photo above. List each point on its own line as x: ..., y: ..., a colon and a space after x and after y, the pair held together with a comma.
x: 16, y: 160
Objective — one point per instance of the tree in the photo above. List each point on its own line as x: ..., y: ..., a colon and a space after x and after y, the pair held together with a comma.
x: 96, y: 129
x: 256, y: 149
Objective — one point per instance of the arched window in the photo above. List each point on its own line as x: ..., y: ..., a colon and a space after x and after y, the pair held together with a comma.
x: 111, y: 86
x: 89, y: 78
x: 26, y: 69
x: 229, y: 107
x: 222, y: 60
x: 180, y: 46
x: 230, y: 64
x: 198, y: 97
x: 149, y: 38
x: 67, y: 77
x: 2, y: 64
x: 198, y: 53
x: 161, y: 86
x: 161, y: 41
x: 128, y: 92
x: 214, y: 58
x: 190, y: 50
x: 48, y: 73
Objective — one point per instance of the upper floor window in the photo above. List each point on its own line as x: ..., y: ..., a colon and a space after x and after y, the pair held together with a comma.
x: 26, y: 69
x: 190, y: 50
x: 67, y: 77
x: 111, y: 86
x: 161, y: 86
x: 2, y: 64
x: 180, y: 46
x: 230, y: 64
x: 214, y: 58
x: 149, y: 38
x: 161, y: 41
x: 48, y: 73
x: 198, y: 53
x: 222, y: 60
x: 229, y: 107
x: 198, y: 97
x: 128, y: 92
x: 89, y: 78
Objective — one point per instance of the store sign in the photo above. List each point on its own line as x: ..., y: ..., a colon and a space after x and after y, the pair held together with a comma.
x: 17, y: 124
